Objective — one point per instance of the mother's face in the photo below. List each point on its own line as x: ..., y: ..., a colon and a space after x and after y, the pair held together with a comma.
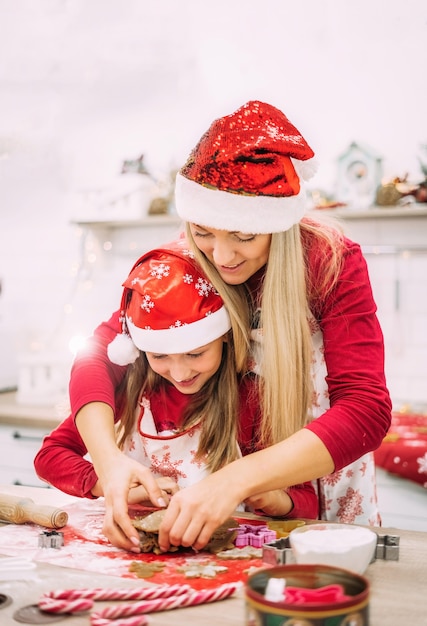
x: 236, y: 255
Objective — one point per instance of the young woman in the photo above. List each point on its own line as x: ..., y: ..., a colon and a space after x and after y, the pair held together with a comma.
x: 317, y: 346
x: 182, y: 409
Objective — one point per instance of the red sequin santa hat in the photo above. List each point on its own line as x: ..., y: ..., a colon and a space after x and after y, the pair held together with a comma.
x: 167, y: 306
x: 246, y: 173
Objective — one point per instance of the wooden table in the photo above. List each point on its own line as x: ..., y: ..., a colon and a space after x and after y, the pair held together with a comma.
x: 398, y: 588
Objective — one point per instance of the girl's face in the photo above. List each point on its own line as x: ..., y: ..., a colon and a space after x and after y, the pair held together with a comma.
x: 189, y: 371
x: 236, y: 256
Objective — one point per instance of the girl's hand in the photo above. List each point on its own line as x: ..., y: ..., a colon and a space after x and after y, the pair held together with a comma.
x: 117, y: 474
x: 275, y: 503
x: 139, y: 495
x: 119, y: 478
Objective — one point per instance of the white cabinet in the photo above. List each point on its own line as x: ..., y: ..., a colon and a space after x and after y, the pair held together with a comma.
x: 22, y: 428
x: 18, y: 447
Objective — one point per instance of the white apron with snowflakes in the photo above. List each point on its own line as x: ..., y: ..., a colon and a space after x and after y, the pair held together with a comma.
x: 348, y: 495
x: 166, y: 454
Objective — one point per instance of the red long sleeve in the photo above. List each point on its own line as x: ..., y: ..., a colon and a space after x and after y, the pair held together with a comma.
x: 60, y: 461
x: 93, y: 377
x: 306, y: 503
x: 360, y: 412
x: 360, y: 406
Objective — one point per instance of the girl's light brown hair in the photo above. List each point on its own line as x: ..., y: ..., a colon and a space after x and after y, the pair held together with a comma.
x: 215, y: 406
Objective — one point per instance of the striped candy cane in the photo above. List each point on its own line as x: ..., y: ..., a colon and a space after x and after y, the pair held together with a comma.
x: 77, y: 600
x: 190, y: 598
x: 137, y: 620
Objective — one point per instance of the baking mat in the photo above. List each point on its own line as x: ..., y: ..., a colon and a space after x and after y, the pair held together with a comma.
x: 86, y: 548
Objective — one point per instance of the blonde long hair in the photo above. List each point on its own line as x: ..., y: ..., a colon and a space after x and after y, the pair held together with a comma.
x: 290, y: 291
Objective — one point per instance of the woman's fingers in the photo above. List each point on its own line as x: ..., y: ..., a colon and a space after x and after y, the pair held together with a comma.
x: 194, y: 513
x: 186, y: 525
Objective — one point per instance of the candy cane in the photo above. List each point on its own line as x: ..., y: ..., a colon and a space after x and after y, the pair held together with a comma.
x: 191, y: 598
x: 65, y: 606
x: 138, y: 620
x: 75, y: 600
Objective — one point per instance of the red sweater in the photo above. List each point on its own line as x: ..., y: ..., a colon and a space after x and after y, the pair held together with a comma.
x: 360, y: 407
x: 60, y: 460
x: 360, y: 413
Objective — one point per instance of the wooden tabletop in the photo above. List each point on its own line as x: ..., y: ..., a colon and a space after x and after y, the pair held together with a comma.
x: 398, y: 588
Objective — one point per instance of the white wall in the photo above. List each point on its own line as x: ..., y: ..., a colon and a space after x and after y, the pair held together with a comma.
x: 85, y: 85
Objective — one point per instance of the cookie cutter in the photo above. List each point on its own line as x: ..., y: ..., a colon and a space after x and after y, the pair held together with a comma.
x: 278, y: 552
x: 51, y: 539
x: 387, y: 548
x: 253, y: 535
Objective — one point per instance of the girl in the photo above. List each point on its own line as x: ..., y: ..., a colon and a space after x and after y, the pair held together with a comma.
x: 181, y: 411
x: 316, y: 342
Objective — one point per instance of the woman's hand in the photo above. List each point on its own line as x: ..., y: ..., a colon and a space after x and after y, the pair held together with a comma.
x: 194, y: 513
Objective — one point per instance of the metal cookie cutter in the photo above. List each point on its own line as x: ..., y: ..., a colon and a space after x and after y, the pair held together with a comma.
x: 387, y: 547
x: 278, y: 552
x: 51, y: 539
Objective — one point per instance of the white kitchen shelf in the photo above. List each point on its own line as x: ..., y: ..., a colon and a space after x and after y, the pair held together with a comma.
x: 147, y: 222
x: 374, y: 212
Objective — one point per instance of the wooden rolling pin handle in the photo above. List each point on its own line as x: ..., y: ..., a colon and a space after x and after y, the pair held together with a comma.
x: 21, y: 510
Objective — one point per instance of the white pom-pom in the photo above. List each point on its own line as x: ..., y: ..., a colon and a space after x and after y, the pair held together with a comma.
x: 122, y: 350
x: 306, y: 169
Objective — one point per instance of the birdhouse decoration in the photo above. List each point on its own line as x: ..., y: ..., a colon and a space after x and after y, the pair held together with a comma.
x: 359, y: 174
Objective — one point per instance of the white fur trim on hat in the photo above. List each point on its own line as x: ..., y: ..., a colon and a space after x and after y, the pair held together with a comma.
x: 180, y: 339
x: 305, y: 169
x: 223, y: 210
x: 122, y: 350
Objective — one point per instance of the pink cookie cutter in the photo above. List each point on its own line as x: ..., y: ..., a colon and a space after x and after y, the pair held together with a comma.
x: 253, y: 535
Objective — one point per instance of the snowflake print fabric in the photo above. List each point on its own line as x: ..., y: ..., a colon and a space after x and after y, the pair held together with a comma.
x: 166, y: 454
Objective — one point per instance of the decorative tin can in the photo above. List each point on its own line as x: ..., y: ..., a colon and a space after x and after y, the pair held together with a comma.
x: 353, y: 611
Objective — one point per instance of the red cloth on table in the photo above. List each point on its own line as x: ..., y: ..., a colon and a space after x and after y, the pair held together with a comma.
x: 403, y: 451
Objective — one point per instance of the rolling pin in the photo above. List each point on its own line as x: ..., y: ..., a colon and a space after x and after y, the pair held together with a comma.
x: 17, y: 510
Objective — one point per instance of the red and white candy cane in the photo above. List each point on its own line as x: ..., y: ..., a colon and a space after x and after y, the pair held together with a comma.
x: 190, y: 598
x: 77, y: 600
x: 137, y: 620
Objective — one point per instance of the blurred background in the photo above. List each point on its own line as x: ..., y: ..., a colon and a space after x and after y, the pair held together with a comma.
x: 102, y: 101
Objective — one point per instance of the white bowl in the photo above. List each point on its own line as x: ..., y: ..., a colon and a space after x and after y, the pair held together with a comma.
x: 341, y: 545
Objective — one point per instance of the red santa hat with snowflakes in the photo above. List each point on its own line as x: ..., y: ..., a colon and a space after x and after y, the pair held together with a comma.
x: 167, y: 306
x: 247, y: 173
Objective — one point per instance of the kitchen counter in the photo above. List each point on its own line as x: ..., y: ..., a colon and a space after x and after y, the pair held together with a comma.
x: 34, y: 416
x: 397, y: 587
